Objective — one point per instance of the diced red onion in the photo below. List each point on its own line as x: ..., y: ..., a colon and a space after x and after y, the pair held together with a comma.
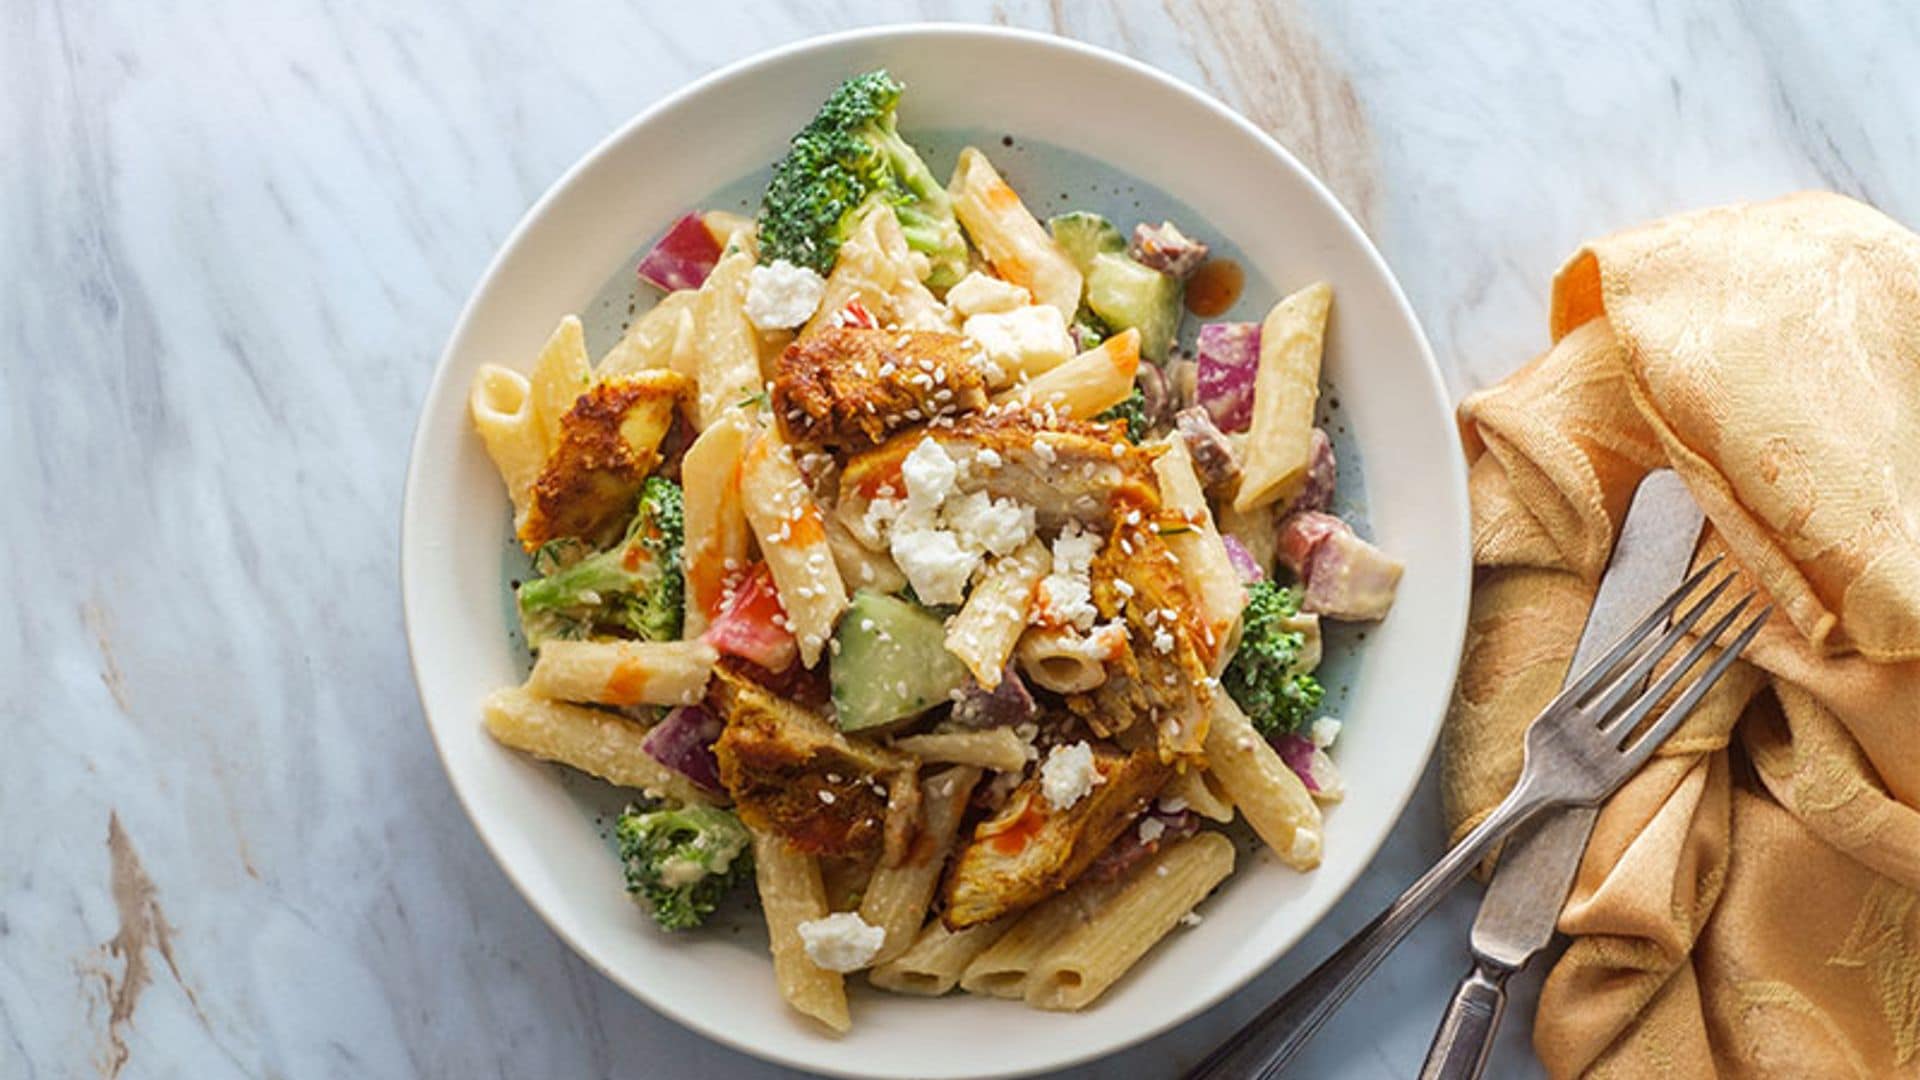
x: 684, y: 741
x: 1243, y: 561
x: 1322, y: 474
x: 1004, y: 705
x: 1229, y: 357
x: 683, y: 257
x: 1297, y: 752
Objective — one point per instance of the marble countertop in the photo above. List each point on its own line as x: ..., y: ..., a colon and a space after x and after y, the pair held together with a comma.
x: 234, y: 236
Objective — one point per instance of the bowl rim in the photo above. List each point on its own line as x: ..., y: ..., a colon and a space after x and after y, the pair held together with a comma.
x: 1433, y: 385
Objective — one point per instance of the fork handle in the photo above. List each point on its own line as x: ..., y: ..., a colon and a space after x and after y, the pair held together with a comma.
x: 1465, y: 1038
x: 1265, y: 1045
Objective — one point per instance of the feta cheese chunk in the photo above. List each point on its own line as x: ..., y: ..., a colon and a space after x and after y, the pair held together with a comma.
x: 1028, y: 340
x: 1067, y: 592
x: 1068, y: 775
x: 841, y: 942
x: 982, y: 521
x: 935, y: 562
x: 984, y: 294
x: 781, y: 296
x: 930, y: 473
x: 1325, y: 730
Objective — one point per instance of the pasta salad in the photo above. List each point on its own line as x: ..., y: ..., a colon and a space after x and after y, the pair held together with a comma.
x: 903, y: 563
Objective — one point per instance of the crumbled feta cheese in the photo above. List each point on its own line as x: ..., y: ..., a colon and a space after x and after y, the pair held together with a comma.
x: 1074, y: 549
x: 841, y: 942
x: 1151, y: 829
x: 1068, y: 775
x: 1325, y: 730
x: 1068, y: 589
x: 935, y: 562
x: 1031, y: 339
x: 930, y: 473
x: 981, y: 294
x: 988, y: 457
x: 1191, y: 918
x: 782, y: 295
x: 1306, y: 846
x: 998, y: 525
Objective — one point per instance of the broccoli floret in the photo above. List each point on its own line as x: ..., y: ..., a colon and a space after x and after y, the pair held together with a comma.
x: 680, y: 863
x: 1263, y: 677
x: 1133, y: 411
x: 637, y: 587
x: 849, y: 157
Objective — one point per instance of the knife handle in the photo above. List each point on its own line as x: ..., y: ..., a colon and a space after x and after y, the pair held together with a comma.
x: 1465, y: 1038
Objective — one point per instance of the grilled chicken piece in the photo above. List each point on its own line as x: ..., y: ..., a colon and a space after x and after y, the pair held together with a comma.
x: 789, y: 771
x: 1066, y: 470
x: 609, y: 442
x: 849, y: 388
x: 1029, y: 851
x: 1162, y: 675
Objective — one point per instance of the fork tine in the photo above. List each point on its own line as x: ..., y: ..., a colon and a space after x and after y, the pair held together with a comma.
x: 1635, y: 676
x: 1622, y: 723
x: 1630, y: 642
x: 1643, y: 748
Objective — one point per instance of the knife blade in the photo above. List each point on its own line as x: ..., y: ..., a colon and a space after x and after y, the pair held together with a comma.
x: 1522, y: 904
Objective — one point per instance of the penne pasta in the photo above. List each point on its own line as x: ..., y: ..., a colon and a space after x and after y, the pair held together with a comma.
x: 897, y: 896
x: 1094, y: 955
x: 718, y: 543
x: 1209, y: 574
x: 1273, y: 800
x: 793, y: 540
x: 996, y: 748
x: 1199, y: 790
x: 1085, y: 386
x: 791, y: 892
x: 1002, y: 968
x: 931, y: 966
x: 1000, y: 225
x: 501, y: 404
x: 875, y: 267
x: 1286, y: 387
x: 593, y: 741
x: 845, y: 881
x: 561, y: 373
x: 623, y: 672
x: 726, y: 346
x: 861, y: 566
x: 654, y: 340
x: 1061, y: 660
x: 989, y: 625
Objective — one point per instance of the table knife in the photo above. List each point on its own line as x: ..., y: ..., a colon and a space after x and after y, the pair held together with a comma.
x: 1535, y: 872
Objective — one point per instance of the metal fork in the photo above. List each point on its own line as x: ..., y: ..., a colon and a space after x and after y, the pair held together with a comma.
x: 1577, y: 753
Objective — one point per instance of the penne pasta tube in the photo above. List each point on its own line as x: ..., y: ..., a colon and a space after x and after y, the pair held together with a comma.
x: 996, y: 748
x: 1198, y: 790
x: 1286, y: 387
x: 989, y: 625
x: 561, y: 373
x: 1087, y: 385
x: 1002, y: 968
x: 726, y: 347
x: 897, y: 896
x: 623, y: 672
x: 501, y: 405
x: 718, y: 543
x: 653, y: 339
x: 875, y: 267
x: 793, y: 540
x: 593, y: 741
x: 791, y: 893
x: 931, y: 966
x: 1266, y: 791
x: 1062, y: 660
x: 1093, y: 956
x: 1204, y: 565
x: 1011, y: 238
x: 861, y: 566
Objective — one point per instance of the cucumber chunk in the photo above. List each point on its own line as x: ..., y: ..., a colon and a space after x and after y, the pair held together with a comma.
x: 1085, y: 235
x: 889, y: 662
x: 1126, y: 294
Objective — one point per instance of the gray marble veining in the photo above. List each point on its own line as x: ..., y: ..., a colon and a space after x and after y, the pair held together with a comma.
x: 233, y: 237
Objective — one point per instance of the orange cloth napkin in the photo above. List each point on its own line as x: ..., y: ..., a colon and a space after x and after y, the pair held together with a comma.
x: 1750, y: 903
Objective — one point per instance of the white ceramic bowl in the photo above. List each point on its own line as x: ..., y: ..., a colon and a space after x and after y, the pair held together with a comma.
x: 725, y: 126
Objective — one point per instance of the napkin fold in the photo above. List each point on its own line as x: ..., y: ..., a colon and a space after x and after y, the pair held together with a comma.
x: 1749, y: 904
